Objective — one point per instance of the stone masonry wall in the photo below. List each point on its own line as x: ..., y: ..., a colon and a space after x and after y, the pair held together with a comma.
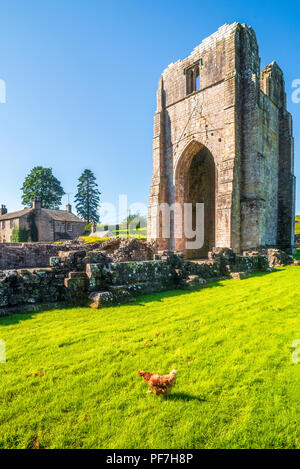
x: 80, y: 277
x: 27, y: 255
x: 33, y: 255
x: 185, y: 123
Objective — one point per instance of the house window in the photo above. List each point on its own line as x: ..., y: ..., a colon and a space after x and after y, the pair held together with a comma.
x: 3, y: 225
x: 11, y: 224
x: 69, y: 227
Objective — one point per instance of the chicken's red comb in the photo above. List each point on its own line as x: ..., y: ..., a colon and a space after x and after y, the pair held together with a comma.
x: 141, y: 373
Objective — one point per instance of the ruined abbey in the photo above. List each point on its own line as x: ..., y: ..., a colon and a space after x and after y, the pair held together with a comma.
x: 223, y: 138
x: 222, y: 141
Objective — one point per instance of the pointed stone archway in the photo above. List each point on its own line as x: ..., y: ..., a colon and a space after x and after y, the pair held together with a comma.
x: 195, y: 183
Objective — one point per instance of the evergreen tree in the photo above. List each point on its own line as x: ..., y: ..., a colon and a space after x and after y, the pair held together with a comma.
x: 88, y: 197
x: 41, y: 183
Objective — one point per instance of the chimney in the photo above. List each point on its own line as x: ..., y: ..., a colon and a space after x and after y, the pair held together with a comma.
x: 3, y: 210
x: 69, y: 208
x: 37, y: 204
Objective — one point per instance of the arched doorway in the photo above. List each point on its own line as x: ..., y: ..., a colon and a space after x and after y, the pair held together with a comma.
x: 195, y: 184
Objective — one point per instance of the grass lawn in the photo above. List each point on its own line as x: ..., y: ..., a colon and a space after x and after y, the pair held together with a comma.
x: 71, y: 378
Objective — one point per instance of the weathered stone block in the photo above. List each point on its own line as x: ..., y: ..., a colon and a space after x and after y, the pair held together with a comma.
x: 239, y: 275
x: 145, y: 288
x: 101, y: 299
x: 278, y: 258
x: 54, y: 261
x: 194, y: 282
x: 76, y: 281
x: 135, y: 272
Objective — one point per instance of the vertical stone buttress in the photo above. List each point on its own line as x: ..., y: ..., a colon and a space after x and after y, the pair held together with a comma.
x: 228, y: 226
x: 252, y: 201
x: 286, y: 185
x: 272, y: 84
x: 158, y: 190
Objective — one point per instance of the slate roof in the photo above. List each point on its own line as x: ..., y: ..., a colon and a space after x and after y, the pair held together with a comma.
x: 62, y: 215
x: 58, y: 215
x: 18, y: 214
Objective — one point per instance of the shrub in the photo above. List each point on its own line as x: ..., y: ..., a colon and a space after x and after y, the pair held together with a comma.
x: 88, y: 228
x: 95, y: 239
x: 19, y: 235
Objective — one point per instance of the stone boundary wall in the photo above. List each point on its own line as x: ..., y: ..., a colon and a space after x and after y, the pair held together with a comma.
x: 91, y: 278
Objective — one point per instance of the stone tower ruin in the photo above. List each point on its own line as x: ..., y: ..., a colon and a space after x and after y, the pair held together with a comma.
x: 223, y: 138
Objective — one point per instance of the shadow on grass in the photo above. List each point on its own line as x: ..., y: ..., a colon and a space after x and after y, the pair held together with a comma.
x: 160, y: 296
x: 16, y: 317
x: 182, y: 396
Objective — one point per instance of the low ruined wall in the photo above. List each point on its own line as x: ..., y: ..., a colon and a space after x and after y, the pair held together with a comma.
x: 36, y: 255
x: 80, y: 277
x: 19, y: 287
x: 28, y: 255
x: 59, y: 284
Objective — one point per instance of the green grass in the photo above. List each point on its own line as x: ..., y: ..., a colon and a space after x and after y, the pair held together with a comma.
x: 297, y: 255
x: 71, y: 379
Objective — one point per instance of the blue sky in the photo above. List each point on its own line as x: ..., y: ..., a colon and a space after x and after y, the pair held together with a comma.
x: 82, y: 75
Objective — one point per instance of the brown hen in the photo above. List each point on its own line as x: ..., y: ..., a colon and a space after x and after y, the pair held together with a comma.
x: 160, y: 384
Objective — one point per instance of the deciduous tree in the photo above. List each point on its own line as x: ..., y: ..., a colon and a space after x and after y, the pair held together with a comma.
x: 41, y: 183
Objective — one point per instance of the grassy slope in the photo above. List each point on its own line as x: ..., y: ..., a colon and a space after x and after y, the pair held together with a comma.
x: 231, y: 344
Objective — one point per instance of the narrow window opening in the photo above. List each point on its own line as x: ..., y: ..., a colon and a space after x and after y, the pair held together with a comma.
x: 193, y: 79
x: 198, y: 81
